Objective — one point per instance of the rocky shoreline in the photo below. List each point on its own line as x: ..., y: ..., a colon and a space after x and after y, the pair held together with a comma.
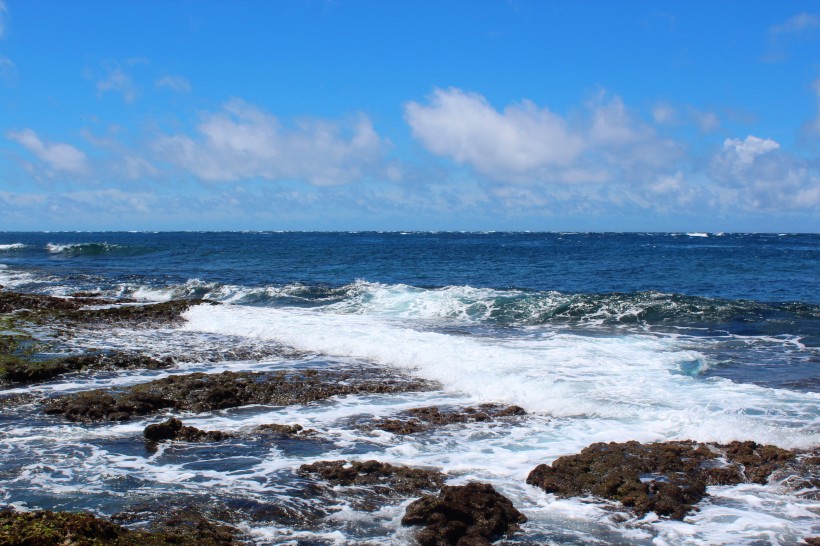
x: 667, y: 478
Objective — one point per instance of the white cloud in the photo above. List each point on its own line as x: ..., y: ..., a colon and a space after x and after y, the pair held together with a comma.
x: 177, y: 84
x: 242, y: 142
x: 664, y: 113
x: 798, y: 23
x: 518, y: 141
x: 525, y: 143
x: 58, y: 156
x: 756, y: 174
x: 118, y: 80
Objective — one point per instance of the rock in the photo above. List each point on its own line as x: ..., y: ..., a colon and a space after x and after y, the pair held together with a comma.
x: 16, y: 369
x: 37, y: 307
x: 173, y: 429
x: 401, y: 479
x: 290, y: 431
x: 47, y: 528
x: 463, y: 515
x: 757, y: 461
x: 421, y: 419
x: 666, y: 478
x: 200, y: 392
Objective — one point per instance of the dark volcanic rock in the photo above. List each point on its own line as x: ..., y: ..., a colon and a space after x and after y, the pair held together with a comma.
x: 421, y: 419
x: 46, y: 528
x: 375, y: 475
x: 463, y: 515
x: 666, y: 478
x: 201, y: 392
x: 12, y: 301
x: 17, y: 369
x: 38, y: 307
x: 291, y: 431
x: 167, y: 312
x: 173, y: 429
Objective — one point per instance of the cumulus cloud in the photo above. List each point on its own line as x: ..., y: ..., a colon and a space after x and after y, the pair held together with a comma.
x: 518, y: 141
x: 58, y: 156
x: 755, y: 173
x: 242, y: 141
x: 177, y: 84
x: 525, y: 143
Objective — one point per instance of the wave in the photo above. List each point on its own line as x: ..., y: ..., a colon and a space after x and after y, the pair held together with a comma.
x: 13, y: 246
x: 633, y: 380
x: 508, y: 307
x: 81, y: 249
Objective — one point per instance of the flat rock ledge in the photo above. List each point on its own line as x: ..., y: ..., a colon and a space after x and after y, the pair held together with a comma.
x: 375, y: 475
x: 463, y: 515
x: 201, y: 392
x: 421, y: 419
x: 47, y: 528
x: 667, y: 478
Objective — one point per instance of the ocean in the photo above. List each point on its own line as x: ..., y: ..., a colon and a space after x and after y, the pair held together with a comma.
x: 600, y: 337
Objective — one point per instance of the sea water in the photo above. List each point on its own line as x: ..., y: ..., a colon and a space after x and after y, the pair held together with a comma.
x: 599, y: 336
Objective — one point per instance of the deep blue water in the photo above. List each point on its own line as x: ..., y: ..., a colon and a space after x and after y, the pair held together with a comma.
x: 761, y: 267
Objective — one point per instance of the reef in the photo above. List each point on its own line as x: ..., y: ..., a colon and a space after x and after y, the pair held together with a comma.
x: 47, y: 528
x: 173, y: 429
x: 667, y: 478
x: 375, y: 475
x: 421, y: 419
x: 463, y: 515
x: 23, y: 368
x: 200, y: 392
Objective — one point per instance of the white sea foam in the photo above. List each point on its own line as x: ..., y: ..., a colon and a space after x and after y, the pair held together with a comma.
x: 627, y: 381
x: 13, y: 246
x: 697, y: 234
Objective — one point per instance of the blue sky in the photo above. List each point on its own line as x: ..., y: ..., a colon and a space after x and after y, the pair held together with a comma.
x: 482, y: 115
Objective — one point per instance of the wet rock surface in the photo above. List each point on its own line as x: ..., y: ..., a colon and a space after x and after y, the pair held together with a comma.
x: 200, y: 392
x: 666, y: 478
x: 426, y: 418
x: 375, y: 474
x: 73, y: 311
x: 289, y: 431
x: 22, y: 369
x: 47, y: 528
x: 173, y: 429
x: 464, y: 515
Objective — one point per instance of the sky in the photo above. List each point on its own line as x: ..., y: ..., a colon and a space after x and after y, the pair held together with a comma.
x: 410, y: 115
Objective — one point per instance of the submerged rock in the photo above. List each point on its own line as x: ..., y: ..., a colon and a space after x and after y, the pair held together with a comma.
x: 375, y: 474
x: 173, y: 429
x: 47, y: 528
x: 200, y: 392
x: 421, y: 419
x: 464, y: 515
x: 666, y: 478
